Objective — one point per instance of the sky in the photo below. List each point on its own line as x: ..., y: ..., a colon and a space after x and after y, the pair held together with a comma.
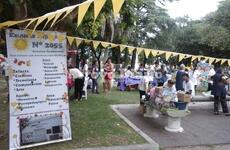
x: 195, y: 9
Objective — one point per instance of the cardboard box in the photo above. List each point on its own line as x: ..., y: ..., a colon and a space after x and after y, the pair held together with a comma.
x: 183, y: 97
x: 187, y: 98
x: 180, y: 95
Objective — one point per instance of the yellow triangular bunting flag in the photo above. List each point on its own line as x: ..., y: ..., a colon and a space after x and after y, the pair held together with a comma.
x: 167, y: 55
x: 68, y: 11
x: 174, y: 54
x: 223, y: 61
x: 205, y: 58
x: 29, y: 32
x: 39, y: 21
x: 160, y: 53
x: 51, y: 37
x: 50, y: 17
x: 188, y: 56
x: 193, y: 58
x: 122, y: 47
x: 70, y: 40
x: 95, y: 44
x: 130, y: 49
x: 217, y: 60
x: 147, y: 52
x: 211, y: 60
x: 87, y: 41
x: 56, y: 18
x: 117, y: 6
x: 60, y: 38
x: 154, y: 53
x: 78, y: 41
x: 98, y: 4
x: 181, y: 57
x: 139, y: 50
x: 113, y: 45
x: 39, y: 34
x: 82, y: 9
x: 105, y: 44
x: 11, y: 23
x: 31, y: 21
x: 199, y: 58
x: 55, y: 15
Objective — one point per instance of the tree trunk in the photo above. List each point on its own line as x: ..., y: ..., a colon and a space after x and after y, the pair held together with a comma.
x: 133, y: 59
x: 107, y: 34
x: 20, y: 10
x: 109, y: 30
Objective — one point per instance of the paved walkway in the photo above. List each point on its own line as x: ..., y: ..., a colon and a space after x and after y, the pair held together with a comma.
x: 201, y: 128
x: 129, y: 147
x: 210, y: 147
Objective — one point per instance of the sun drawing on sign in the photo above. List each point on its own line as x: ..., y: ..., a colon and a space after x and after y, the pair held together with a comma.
x: 20, y: 44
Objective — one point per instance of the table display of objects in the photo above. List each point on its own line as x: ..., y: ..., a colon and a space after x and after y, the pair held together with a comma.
x: 130, y: 81
x: 158, y: 103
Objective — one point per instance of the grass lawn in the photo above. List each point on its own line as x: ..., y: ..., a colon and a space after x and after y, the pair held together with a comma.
x: 93, y: 123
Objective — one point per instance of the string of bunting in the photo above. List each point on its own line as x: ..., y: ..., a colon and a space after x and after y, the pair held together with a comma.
x: 154, y: 52
x: 81, y: 9
x: 53, y: 17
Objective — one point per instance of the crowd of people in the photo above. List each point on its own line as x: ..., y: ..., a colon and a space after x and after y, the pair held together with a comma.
x: 78, y: 77
x: 202, y: 78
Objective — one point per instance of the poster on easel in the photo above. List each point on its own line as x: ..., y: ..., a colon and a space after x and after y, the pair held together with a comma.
x: 38, y: 95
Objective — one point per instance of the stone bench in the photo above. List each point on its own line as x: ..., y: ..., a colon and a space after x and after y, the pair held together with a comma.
x: 174, y: 117
x: 201, y: 98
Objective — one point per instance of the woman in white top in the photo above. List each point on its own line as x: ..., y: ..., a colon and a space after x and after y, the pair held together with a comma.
x: 143, y: 88
x: 194, y: 76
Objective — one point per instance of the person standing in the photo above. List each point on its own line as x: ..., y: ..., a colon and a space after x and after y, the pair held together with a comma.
x: 5, y: 72
x: 95, y: 74
x: 143, y: 88
x: 219, y: 91
x: 179, y: 78
x: 5, y: 67
x: 210, y: 74
x: 194, y: 75
x: 85, y: 68
x: 163, y: 76
x: 78, y: 77
x: 108, y: 75
x: 141, y: 69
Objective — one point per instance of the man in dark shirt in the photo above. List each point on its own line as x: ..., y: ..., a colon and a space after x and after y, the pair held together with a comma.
x: 219, y: 91
x: 179, y: 78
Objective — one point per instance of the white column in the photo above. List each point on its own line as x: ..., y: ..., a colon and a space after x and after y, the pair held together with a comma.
x: 174, y: 125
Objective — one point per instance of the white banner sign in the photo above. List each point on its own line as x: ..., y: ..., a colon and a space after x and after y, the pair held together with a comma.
x: 39, y: 108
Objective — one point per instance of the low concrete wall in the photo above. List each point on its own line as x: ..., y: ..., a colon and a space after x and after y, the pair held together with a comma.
x: 201, y: 98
